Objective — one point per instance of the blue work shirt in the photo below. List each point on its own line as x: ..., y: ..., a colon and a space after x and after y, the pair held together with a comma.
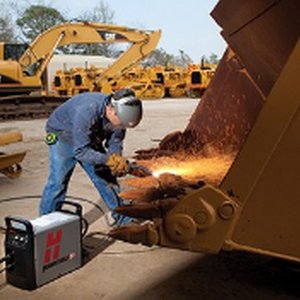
x: 72, y: 123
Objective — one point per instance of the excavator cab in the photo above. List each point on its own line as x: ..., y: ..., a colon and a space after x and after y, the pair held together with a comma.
x: 12, y: 51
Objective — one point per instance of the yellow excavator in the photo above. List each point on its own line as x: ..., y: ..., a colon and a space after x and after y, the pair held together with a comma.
x: 24, y: 74
x: 22, y: 68
x: 252, y: 108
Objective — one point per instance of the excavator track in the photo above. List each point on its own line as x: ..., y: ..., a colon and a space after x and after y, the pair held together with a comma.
x: 24, y: 107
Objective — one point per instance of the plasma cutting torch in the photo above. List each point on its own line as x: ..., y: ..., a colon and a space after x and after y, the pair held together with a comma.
x: 117, y: 167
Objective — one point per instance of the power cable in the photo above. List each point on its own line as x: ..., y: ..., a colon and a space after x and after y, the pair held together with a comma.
x: 6, y: 268
x: 39, y: 197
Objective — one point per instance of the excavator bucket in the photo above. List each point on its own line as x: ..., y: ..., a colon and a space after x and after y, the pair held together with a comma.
x: 250, y: 111
x: 10, y: 162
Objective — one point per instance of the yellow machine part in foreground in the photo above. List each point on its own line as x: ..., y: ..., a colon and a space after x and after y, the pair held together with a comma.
x: 252, y: 108
x: 10, y: 162
x: 257, y: 206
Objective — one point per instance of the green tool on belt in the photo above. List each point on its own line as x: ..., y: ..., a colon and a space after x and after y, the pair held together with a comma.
x: 51, y: 138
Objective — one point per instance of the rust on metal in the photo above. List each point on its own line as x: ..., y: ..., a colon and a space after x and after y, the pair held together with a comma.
x: 262, y: 33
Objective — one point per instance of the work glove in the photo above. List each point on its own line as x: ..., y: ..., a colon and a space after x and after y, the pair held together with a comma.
x: 118, y: 165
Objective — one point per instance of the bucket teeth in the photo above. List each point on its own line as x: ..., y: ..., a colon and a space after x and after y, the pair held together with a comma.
x: 147, y: 210
x: 145, y: 234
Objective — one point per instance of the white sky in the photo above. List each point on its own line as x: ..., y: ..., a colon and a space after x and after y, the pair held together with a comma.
x: 186, y: 25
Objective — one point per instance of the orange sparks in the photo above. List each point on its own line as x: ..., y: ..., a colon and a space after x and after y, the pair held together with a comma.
x: 208, y: 169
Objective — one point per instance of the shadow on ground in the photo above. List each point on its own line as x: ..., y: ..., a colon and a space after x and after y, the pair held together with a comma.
x: 229, y: 276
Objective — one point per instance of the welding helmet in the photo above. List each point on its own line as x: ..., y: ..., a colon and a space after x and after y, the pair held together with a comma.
x: 128, y: 108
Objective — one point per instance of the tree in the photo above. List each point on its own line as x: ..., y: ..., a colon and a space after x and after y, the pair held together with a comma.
x: 160, y: 57
x: 101, y: 13
x: 212, y: 59
x: 36, y: 19
x: 6, y: 30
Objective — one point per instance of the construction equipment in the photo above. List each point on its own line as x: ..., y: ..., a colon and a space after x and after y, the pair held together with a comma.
x: 143, y: 81
x: 24, y: 75
x: 76, y: 80
x: 251, y: 110
x: 63, y: 83
x: 198, y: 77
x: 40, y: 250
x: 174, y: 81
x: 10, y: 162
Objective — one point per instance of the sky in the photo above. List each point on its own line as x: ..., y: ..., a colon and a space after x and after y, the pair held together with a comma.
x: 186, y: 24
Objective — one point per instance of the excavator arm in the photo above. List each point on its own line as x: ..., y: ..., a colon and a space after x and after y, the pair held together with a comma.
x: 42, y: 48
x: 28, y: 70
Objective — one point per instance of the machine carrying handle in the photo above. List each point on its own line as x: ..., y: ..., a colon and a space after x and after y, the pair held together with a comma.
x: 76, y: 206
x: 26, y: 225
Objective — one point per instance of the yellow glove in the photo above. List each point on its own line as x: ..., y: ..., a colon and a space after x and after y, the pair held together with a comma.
x: 118, y: 165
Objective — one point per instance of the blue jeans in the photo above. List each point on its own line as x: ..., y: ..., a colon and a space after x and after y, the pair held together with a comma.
x: 62, y: 162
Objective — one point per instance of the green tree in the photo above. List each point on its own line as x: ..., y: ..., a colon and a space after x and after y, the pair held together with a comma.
x: 101, y: 13
x: 212, y: 59
x: 6, y: 30
x: 160, y: 57
x: 36, y: 19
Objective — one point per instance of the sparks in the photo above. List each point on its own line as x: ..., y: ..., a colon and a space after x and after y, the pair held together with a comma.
x: 210, y: 169
x: 181, y: 171
x: 159, y: 172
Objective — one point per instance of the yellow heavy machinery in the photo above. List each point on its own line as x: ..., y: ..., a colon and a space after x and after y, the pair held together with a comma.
x: 134, y: 76
x: 154, y: 82
x: 198, y: 77
x: 10, y: 162
x: 143, y: 81
x: 24, y: 75
x: 173, y: 78
x: 63, y: 84
x: 76, y: 80
x: 148, y: 86
x: 251, y: 107
x: 85, y: 79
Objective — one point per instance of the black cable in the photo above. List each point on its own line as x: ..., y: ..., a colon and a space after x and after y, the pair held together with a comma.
x: 3, y: 259
x: 39, y: 197
x: 67, y: 197
x: 128, y: 252
x: 85, y: 227
x: 19, y: 198
x: 6, y: 268
x: 6, y: 258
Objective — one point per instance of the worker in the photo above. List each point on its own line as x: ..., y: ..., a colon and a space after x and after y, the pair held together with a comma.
x: 89, y: 128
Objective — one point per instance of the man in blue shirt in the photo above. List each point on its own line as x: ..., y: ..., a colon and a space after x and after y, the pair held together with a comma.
x: 89, y: 129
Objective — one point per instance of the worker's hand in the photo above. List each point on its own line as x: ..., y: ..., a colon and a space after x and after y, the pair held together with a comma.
x: 118, y: 165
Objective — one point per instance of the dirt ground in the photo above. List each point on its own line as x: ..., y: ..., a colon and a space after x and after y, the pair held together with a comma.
x: 117, y: 270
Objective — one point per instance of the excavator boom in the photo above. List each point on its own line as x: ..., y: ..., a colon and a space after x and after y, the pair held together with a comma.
x: 28, y: 70
x: 43, y: 47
